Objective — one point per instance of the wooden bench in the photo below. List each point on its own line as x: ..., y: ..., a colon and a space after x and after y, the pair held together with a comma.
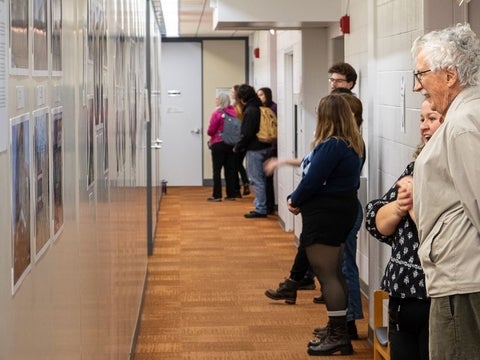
x: 381, y: 347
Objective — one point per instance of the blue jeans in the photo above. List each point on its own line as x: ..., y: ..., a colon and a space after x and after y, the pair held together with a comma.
x: 350, y: 270
x: 255, y: 160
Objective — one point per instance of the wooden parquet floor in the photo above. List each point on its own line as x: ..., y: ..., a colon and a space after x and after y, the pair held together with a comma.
x: 205, y: 297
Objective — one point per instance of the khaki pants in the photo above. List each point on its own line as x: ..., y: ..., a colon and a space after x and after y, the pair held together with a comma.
x: 455, y: 327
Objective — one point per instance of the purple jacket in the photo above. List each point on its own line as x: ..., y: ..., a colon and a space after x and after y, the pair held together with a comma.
x: 216, y: 123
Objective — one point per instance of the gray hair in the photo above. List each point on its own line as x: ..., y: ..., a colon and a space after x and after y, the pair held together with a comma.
x: 456, y: 47
x: 223, y: 100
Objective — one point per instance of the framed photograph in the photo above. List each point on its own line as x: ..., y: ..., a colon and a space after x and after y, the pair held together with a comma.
x: 41, y: 182
x: 19, y: 31
x: 40, y: 39
x: 56, y: 36
x: 20, y: 199
x: 58, y: 171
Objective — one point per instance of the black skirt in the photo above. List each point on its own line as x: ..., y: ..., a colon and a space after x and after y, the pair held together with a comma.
x: 327, y: 219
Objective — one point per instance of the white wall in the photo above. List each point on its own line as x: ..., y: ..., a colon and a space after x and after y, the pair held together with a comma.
x: 81, y: 297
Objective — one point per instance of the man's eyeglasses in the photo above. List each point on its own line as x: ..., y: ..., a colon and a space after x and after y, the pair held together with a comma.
x: 418, y: 76
x: 336, y: 81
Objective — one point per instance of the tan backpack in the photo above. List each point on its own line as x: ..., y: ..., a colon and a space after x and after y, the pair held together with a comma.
x: 268, y: 126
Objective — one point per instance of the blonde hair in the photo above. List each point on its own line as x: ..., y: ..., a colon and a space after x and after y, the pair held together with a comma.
x: 335, y: 119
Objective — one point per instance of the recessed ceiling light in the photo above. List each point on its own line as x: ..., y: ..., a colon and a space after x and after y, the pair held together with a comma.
x: 170, y: 17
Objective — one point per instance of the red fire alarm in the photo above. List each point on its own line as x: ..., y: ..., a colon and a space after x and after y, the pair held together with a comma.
x: 256, y: 53
x: 345, y: 24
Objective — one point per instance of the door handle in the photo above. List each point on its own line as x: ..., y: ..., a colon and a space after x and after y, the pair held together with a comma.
x: 196, y: 131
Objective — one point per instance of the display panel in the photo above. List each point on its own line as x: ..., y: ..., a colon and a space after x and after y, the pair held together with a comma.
x: 20, y: 198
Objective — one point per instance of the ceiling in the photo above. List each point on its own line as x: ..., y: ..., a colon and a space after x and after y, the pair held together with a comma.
x: 195, y: 20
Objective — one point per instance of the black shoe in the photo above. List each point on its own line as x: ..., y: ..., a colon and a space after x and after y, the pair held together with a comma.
x: 319, y: 299
x: 254, y: 214
x: 286, y: 291
x: 352, y: 330
x: 271, y: 211
x: 320, y: 333
x: 246, y: 189
x: 304, y: 284
x: 214, y: 199
x: 307, y: 284
x: 336, y: 339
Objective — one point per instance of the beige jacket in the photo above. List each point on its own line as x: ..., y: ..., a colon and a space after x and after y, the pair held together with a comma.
x: 447, y: 200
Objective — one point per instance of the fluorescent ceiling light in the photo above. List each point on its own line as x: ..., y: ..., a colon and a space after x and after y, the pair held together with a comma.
x: 170, y: 17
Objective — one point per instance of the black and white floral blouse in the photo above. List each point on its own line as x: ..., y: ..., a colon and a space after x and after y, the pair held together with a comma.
x: 403, y: 277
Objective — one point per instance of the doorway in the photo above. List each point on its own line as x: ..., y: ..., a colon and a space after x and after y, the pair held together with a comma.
x: 181, y: 113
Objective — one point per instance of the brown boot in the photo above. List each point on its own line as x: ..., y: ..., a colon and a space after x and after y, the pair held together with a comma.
x: 336, y: 339
x: 287, y: 291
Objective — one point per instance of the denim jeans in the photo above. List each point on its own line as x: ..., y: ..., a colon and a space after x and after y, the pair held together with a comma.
x: 350, y: 270
x: 255, y: 160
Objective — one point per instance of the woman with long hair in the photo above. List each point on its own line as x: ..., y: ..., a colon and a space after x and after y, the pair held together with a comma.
x: 327, y: 199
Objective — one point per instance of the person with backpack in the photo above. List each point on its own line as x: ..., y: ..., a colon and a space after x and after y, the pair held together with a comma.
x: 265, y: 96
x: 222, y: 153
x: 257, y: 151
x: 240, y: 156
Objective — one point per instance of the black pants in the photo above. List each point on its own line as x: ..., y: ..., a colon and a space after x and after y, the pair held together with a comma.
x: 408, y: 328
x: 240, y: 170
x: 223, y: 157
x: 301, y: 266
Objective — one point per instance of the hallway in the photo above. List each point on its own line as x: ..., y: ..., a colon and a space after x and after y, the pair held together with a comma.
x: 204, y: 294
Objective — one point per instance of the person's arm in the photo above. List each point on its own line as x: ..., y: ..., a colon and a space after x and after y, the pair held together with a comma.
x: 249, y: 129
x: 389, y: 216
x: 273, y: 163
x: 214, y: 123
x: 383, y: 215
x: 465, y: 172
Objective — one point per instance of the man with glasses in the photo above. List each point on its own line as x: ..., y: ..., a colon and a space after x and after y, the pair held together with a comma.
x: 342, y: 75
x: 447, y: 194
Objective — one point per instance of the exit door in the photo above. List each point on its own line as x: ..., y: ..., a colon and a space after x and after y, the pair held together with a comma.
x: 181, y: 113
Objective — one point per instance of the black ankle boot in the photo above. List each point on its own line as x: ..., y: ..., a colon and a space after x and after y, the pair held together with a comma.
x: 320, y: 332
x: 246, y: 189
x: 287, y: 291
x: 336, y: 339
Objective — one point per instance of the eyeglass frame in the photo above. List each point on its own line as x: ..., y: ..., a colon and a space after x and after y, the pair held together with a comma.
x: 335, y: 81
x: 418, y: 75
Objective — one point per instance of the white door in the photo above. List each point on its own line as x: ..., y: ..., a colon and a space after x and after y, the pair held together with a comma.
x: 181, y: 113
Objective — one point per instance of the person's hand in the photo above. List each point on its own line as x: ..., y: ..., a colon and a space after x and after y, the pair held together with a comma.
x: 270, y: 165
x: 405, y: 195
x: 293, y: 210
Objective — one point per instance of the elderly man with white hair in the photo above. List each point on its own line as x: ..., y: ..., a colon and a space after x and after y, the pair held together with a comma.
x: 447, y: 191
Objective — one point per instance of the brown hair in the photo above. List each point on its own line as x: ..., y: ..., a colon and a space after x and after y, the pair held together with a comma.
x: 335, y: 119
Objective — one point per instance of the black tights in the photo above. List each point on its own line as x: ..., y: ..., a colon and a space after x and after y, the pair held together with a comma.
x: 326, y: 263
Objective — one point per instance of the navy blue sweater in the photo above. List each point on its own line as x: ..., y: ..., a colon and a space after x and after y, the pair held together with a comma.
x: 331, y: 167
